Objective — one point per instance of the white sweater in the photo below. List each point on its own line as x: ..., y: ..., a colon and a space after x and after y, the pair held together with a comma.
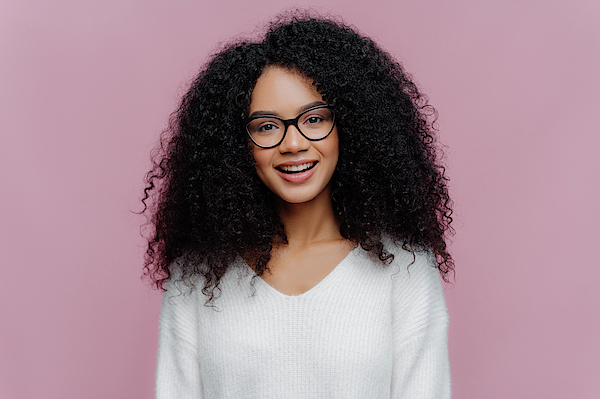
x: 365, y: 331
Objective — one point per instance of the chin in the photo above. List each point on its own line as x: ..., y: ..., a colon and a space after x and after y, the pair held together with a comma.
x: 305, y: 197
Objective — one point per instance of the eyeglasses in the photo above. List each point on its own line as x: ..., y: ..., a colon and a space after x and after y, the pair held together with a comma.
x: 268, y: 131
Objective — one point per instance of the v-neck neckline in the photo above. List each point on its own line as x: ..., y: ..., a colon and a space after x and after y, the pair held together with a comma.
x: 312, y: 290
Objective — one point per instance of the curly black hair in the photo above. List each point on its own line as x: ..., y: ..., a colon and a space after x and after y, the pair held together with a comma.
x: 207, y: 204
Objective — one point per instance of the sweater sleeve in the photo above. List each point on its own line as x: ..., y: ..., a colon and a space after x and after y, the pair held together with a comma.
x: 178, y: 367
x: 421, y: 369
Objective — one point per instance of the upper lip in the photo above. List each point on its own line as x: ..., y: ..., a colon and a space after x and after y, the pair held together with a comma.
x: 296, y: 163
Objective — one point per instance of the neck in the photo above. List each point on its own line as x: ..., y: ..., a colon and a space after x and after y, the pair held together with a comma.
x: 310, y: 222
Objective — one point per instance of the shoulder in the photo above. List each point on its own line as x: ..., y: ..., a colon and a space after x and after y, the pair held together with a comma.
x: 407, y: 265
x: 189, y: 296
x: 411, y: 263
x: 181, y: 301
x: 417, y: 288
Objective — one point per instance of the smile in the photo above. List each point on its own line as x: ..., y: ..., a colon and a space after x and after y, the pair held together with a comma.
x: 290, y: 169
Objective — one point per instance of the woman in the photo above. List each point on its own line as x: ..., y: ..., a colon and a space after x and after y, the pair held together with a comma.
x: 299, y: 223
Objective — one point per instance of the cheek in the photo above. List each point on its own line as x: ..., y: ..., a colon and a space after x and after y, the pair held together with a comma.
x: 332, y: 150
x: 262, y: 161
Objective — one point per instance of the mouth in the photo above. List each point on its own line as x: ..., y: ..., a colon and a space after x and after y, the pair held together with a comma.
x: 292, y: 169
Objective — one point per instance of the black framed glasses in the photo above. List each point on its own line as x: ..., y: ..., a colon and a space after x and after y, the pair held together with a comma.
x: 268, y: 131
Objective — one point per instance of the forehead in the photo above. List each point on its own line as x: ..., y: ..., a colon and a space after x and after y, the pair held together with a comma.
x: 284, y: 91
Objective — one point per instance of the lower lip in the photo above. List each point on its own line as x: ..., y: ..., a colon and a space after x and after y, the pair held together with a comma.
x: 298, y: 177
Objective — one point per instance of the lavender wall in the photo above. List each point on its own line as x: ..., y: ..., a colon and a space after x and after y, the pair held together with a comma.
x: 86, y: 87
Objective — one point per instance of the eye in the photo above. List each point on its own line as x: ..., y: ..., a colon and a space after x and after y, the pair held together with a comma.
x: 265, y: 127
x: 316, y: 116
x: 313, y: 120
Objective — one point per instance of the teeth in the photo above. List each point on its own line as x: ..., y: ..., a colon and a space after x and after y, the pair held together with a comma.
x: 297, y: 168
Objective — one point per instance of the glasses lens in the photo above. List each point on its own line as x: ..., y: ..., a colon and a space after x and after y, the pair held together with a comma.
x: 317, y: 123
x: 266, y: 131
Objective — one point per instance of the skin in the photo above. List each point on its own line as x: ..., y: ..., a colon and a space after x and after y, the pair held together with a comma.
x: 315, y: 246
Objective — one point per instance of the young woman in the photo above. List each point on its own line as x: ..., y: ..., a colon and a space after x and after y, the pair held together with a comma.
x: 299, y: 219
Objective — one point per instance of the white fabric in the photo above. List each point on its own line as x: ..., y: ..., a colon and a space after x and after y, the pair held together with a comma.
x: 365, y: 331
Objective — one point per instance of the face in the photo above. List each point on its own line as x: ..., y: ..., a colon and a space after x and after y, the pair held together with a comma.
x: 298, y: 170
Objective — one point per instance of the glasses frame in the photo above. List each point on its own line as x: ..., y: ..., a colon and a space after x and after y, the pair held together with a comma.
x: 290, y: 122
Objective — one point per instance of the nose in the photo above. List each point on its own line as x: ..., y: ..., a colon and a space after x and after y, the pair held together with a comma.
x: 293, y: 141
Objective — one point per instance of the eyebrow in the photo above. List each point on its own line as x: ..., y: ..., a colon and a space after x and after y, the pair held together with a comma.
x: 300, y: 109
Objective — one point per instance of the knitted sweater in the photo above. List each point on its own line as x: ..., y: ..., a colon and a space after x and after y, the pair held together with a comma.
x: 365, y: 331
